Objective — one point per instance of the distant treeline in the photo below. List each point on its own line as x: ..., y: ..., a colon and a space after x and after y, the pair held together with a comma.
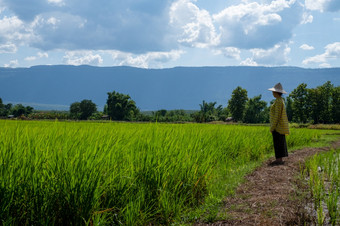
x: 303, y: 105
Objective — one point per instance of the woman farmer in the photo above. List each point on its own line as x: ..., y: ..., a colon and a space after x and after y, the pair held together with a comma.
x: 279, y: 124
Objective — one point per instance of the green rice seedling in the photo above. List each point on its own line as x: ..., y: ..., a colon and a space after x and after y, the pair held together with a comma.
x: 332, y: 204
x: 125, y: 173
x: 324, y: 185
x: 321, y: 215
x: 316, y: 184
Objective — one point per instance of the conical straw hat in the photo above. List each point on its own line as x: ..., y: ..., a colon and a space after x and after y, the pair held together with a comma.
x: 278, y: 88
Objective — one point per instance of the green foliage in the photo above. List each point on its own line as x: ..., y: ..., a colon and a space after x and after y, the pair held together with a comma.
x: 75, y: 110
x: 317, y: 105
x: 167, y: 116
x: 320, y: 100
x: 82, y: 110
x: 121, y: 107
x: 256, y: 111
x: 21, y: 110
x: 237, y: 103
x: 208, y: 112
x: 300, y: 103
x: 87, y: 108
x: 335, y: 105
x: 45, y: 115
x: 326, y: 101
x: 289, y: 108
x: 2, y: 109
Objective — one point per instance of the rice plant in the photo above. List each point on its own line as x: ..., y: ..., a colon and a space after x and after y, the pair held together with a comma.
x: 123, y: 173
x: 324, y: 181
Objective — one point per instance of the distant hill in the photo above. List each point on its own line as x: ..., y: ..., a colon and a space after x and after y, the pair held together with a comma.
x: 56, y: 87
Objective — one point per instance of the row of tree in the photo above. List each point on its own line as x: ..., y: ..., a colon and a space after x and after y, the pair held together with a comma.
x: 315, y: 105
x: 14, y: 110
x: 303, y: 105
x: 118, y: 107
x: 318, y: 105
x: 240, y: 109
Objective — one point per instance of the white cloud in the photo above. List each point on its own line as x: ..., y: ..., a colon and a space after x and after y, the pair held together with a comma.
x: 151, y: 59
x: 246, y: 25
x: 125, y: 25
x: 307, y: 18
x: 56, y: 2
x: 306, y: 47
x: 315, y: 59
x: 13, y: 30
x: 325, y: 65
x: 316, y: 4
x: 31, y: 58
x: 8, y: 48
x: 230, y: 52
x: 248, y: 62
x: 332, y: 52
x: 82, y: 58
x: 12, y: 63
x: 195, y: 25
x: 323, y: 5
x: 52, y: 21
x: 256, y: 25
x: 42, y: 55
x: 150, y: 26
x: 278, y: 55
x: 39, y: 56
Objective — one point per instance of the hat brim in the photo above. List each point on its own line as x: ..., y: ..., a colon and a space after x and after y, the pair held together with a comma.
x: 278, y: 91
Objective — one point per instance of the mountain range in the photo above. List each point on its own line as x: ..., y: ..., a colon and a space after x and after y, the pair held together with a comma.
x: 56, y: 87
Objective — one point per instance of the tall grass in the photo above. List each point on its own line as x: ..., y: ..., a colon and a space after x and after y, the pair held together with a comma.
x: 123, y: 173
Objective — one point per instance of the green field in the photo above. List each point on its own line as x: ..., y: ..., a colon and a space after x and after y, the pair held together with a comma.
x: 126, y: 173
x: 323, y: 174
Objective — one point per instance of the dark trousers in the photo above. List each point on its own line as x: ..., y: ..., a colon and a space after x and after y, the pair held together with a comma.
x: 280, y: 145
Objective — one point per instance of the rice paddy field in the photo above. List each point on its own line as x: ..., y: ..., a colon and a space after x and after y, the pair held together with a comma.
x: 323, y: 174
x: 126, y: 173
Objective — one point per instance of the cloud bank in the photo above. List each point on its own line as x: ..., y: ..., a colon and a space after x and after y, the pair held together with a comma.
x: 148, y: 33
x: 332, y: 52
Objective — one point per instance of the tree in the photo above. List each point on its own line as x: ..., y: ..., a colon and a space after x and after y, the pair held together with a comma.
x: 254, y: 112
x: 237, y: 103
x: 19, y: 110
x: 208, y: 112
x: 335, y: 109
x: 315, y: 105
x: 320, y: 101
x: 2, y: 109
x: 82, y: 110
x: 326, y: 100
x: 289, y: 108
x: 87, y: 108
x: 300, y: 104
x: 121, y: 106
x: 75, y: 110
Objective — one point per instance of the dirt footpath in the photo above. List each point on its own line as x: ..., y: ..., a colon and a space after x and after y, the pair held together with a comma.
x: 270, y: 195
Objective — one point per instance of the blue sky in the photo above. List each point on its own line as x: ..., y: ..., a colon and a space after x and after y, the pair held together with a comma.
x: 170, y: 33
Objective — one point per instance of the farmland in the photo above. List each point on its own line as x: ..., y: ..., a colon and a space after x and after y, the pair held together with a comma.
x: 323, y: 174
x: 125, y: 173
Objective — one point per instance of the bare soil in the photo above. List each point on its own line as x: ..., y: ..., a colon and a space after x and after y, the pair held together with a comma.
x: 272, y: 195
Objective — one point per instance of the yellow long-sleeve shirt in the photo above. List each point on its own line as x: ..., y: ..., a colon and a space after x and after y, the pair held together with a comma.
x: 278, y: 117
